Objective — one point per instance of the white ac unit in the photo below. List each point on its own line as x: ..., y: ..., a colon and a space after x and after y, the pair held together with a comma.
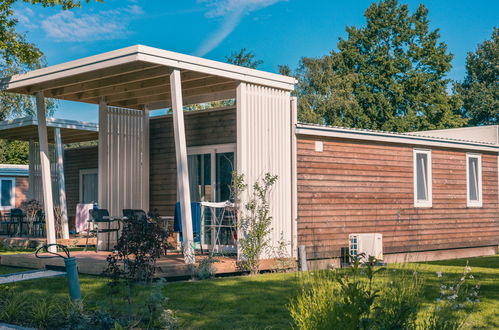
x: 368, y: 244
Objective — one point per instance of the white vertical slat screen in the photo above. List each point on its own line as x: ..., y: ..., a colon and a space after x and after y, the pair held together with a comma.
x: 264, y: 121
x: 125, y: 162
x: 35, y: 179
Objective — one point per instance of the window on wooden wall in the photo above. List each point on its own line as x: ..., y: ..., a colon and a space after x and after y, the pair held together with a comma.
x: 474, y: 179
x: 7, y: 193
x: 422, y: 178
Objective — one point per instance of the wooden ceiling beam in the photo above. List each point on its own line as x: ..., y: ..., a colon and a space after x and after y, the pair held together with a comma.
x: 145, y: 100
x: 112, y: 71
x: 161, y: 89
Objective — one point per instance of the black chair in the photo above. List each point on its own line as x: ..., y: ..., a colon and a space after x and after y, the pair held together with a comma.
x: 39, y: 224
x: 7, y: 224
x: 135, y: 215
x: 99, y: 218
x: 17, y: 218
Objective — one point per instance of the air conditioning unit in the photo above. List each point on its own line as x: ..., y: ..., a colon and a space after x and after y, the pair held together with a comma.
x: 368, y: 244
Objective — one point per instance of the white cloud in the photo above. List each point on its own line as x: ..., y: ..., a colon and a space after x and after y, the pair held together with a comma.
x: 66, y: 26
x: 24, y: 15
x: 231, y: 12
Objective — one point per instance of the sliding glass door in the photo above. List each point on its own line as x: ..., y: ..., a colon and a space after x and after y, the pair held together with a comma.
x: 210, y: 176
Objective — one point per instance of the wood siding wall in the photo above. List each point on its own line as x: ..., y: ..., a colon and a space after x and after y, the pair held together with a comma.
x: 22, y: 186
x: 367, y: 187
x: 74, y: 161
x: 202, y: 128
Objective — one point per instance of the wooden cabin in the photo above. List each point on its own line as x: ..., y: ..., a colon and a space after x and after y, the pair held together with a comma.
x: 431, y: 195
x: 13, y: 186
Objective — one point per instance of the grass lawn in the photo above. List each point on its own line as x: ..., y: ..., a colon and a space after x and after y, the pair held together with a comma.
x: 260, y: 301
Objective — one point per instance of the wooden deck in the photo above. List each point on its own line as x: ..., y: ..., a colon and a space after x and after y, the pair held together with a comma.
x: 34, y: 242
x: 94, y: 263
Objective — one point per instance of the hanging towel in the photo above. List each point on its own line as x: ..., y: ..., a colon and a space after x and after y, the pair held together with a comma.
x: 196, y: 220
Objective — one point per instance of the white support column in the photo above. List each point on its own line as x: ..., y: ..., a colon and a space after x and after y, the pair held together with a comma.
x: 103, y: 156
x: 182, y: 166
x: 45, y: 168
x: 294, y: 186
x: 145, y: 160
x: 62, y: 183
x: 32, y: 165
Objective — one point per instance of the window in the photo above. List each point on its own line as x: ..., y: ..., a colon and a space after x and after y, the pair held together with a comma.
x: 7, y: 193
x: 422, y: 178
x: 89, y: 186
x: 474, y: 180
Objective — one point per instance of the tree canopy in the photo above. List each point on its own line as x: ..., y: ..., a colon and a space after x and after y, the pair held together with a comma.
x: 18, y: 55
x: 244, y: 58
x: 388, y: 75
x: 480, y: 87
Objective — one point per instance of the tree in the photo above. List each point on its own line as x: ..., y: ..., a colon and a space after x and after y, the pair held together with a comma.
x: 388, y: 75
x: 18, y: 55
x: 244, y: 58
x: 480, y: 88
x: 14, y: 152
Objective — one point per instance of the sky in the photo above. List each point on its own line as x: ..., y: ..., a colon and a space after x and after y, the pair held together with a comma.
x: 277, y: 31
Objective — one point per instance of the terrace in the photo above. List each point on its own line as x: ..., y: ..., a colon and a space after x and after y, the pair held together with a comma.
x: 148, y: 163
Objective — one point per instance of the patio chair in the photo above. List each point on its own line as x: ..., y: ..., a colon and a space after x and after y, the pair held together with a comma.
x: 98, y: 219
x: 39, y: 224
x: 7, y: 223
x: 135, y: 215
x: 17, y: 218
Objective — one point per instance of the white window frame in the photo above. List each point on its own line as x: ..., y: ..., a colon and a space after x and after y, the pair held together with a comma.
x: 429, y: 201
x: 479, y: 202
x: 12, y: 194
x: 82, y: 173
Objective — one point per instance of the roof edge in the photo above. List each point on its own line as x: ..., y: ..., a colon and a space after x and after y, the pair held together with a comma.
x: 391, y: 137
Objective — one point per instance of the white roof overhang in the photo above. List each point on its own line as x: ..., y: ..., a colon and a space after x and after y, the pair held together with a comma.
x: 138, y: 76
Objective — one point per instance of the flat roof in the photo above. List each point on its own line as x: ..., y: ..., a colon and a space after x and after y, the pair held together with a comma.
x: 138, y: 76
x: 25, y: 129
x: 14, y: 170
x: 392, y: 137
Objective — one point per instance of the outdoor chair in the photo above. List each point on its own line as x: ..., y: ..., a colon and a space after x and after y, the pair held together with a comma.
x: 100, y: 223
x: 39, y: 224
x: 17, y: 218
x: 135, y: 215
x: 7, y: 223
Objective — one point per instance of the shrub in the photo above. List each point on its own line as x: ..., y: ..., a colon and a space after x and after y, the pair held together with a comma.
x: 205, y: 268
x: 361, y: 299
x: 357, y: 299
x: 254, y: 220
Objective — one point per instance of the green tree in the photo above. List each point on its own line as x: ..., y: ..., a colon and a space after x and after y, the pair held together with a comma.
x: 480, y: 88
x: 18, y: 55
x: 244, y: 58
x: 388, y: 75
x: 14, y: 152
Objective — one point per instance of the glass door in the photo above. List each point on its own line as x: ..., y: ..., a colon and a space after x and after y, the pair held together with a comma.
x: 210, y: 177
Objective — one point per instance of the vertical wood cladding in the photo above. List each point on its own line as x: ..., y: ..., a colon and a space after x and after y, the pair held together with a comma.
x: 74, y: 161
x: 359, y: 186
x: 202, y: 128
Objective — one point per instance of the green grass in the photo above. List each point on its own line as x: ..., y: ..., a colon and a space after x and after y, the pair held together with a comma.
x: 260, y: 301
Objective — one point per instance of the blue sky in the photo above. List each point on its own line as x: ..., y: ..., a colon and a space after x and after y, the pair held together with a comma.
x: 277, y: 31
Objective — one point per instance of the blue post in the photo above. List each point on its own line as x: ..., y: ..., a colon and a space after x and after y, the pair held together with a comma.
x: 73, y: 281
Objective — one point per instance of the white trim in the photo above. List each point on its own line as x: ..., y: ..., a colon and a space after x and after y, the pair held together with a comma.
x: 12, y: 193
x: 82, y: 173
x: 429, y: 185
x: 403, y: 138
x: 51, y: 122
x: 294, y: 181
x: 478, y: 184
x: 208, y: 149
